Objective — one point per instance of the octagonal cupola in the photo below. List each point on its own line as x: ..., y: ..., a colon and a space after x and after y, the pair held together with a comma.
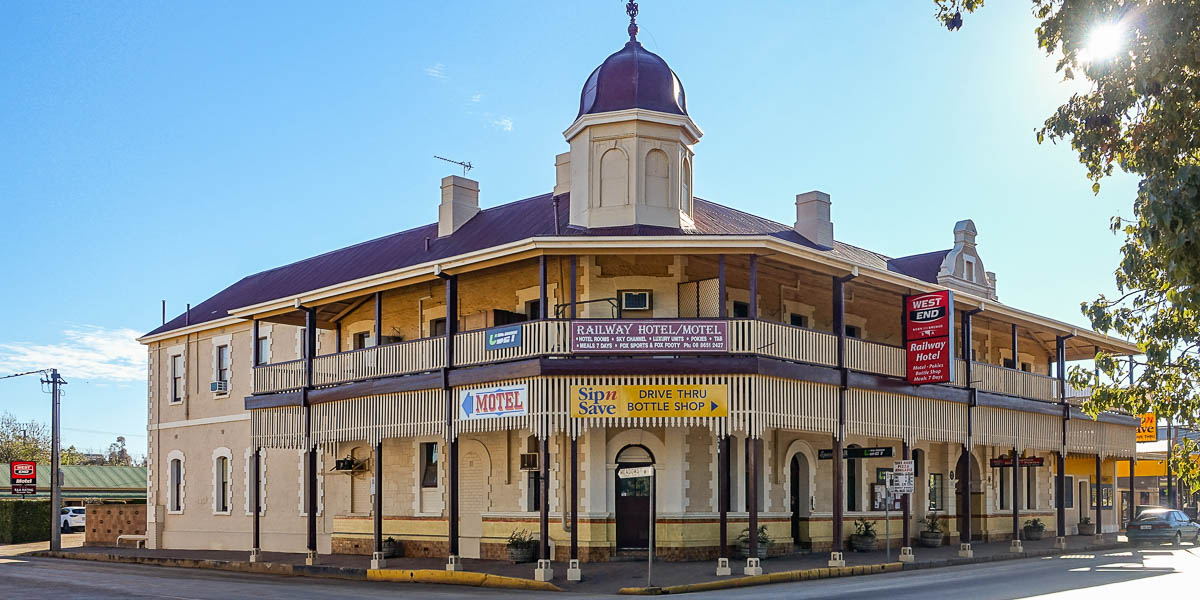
x: 631, y: 153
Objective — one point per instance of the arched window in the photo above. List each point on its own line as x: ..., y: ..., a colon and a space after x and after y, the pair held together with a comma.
x: 175, y: 482
x: 853, y: 483
x: 685, y: 194
x: 222, y: 481
x: 614, y: 173
x: 658, y: 176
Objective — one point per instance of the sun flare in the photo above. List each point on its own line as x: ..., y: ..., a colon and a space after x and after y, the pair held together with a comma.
x: 1104, y: 41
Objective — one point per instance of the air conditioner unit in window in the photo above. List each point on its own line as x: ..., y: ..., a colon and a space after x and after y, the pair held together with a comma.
x: 636, y: 300
x: 529, y: 461
x: 220, y: 387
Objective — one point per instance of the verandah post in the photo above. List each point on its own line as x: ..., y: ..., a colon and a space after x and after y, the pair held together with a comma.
x: 378, y: 560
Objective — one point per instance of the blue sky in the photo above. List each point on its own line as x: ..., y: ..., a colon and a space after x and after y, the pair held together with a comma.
x: 154, y: 151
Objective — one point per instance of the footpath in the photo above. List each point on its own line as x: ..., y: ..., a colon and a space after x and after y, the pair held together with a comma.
x: 626, y: 577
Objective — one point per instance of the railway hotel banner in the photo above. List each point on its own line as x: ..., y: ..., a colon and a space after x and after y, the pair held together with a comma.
x: 929, y: 337
x: 649, y: 336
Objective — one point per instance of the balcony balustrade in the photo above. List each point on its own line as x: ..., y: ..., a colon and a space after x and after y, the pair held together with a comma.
x: 553, y: 338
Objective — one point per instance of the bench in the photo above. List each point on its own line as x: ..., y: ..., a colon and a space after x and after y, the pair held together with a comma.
x: 138, y: 540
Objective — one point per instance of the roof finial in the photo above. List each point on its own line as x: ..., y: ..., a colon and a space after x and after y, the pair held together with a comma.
x: 631, y: 8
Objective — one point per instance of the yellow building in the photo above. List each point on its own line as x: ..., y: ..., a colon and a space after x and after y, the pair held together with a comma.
x: 496, y: 370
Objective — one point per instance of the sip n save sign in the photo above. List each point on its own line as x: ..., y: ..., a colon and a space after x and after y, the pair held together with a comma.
x: 929, y: 337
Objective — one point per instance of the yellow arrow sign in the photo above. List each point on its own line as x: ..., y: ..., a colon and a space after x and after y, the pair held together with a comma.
x: 620, y: 401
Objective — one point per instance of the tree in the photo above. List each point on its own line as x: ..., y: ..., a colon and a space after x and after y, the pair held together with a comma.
x: 23, y: 440
x: 1142, y: 115
x: 117, y: 454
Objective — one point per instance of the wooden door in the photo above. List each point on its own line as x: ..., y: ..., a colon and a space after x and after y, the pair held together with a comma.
x: 633, y: 511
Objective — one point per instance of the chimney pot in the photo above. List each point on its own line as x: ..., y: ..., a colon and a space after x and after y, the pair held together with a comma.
x: 812, y: 218
x: 460, y: 202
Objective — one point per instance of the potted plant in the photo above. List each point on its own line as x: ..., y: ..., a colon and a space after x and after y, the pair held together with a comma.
x: 743, y: 542
x: 1086, y: 526
x: 392, y: 548
x: 932, y: 535
x: 863, y: 538
x: 522, y: 548
x: 1034, y: 529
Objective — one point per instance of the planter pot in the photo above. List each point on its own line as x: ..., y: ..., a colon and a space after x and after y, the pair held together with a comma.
x: 1032, y: 533
x: 1087, y: 529
x: 862, y: 543
x: 744, y: 549
x: 932, y: 539
x: 521, y: 554
x: 392, y: 549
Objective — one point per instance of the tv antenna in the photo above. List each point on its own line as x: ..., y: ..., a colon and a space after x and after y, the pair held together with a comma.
x: 466, y: 166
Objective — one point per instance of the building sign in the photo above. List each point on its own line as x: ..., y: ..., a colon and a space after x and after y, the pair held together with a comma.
x: 489, y: 403
x: 1024, y: 461
x: 635, y: 472
x: 500, y: 338
x: 874, y: 452
x: 929, y: 337
x: 621, y: 401
x: 1147, y: 431
x: 902, y: 480
x: 23, y: 479
x: 648, y: 336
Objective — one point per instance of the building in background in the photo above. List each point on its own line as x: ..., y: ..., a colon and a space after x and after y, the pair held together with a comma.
x: 83, y: 484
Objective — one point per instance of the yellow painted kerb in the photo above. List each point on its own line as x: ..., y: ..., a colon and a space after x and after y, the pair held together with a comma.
x: 459, y: 578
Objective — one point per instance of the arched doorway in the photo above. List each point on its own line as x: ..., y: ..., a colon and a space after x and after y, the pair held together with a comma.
x: 800, y: 494
x: 633, y: 509
x: 475, y: 467
x: 968, y: 464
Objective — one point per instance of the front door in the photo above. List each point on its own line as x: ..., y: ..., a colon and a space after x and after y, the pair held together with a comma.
x: 633, y: 510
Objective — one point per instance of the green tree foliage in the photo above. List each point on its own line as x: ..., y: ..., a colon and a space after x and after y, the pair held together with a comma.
x: 1141, y: 114
x: 23, y: 440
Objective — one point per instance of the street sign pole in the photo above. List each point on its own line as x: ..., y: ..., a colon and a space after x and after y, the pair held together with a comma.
x: 887, y: 520
x: 650, y: 554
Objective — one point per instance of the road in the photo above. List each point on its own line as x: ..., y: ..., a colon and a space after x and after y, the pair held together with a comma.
x: 1158, y: 572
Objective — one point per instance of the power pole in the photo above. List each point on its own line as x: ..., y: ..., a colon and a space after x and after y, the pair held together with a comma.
x: 55, y: 472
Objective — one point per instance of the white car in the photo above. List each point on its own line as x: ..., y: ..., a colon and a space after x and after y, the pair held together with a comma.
x: 72, y: 518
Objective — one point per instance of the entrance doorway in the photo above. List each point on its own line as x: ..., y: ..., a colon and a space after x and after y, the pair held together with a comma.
x: 475, y: 469
x: 800, y: 501
x: 967, y: 465
x: 633, y: 500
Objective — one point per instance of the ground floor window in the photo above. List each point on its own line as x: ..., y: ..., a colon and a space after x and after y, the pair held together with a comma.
x: 1030, y: 488
x: 1005, y: 489
x: 429, y: 460
x: 1069, y: 492
x: 937, y: 484
x: 175, y: 482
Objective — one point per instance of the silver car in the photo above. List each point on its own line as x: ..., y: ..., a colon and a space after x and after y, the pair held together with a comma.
x: 1162, y: 525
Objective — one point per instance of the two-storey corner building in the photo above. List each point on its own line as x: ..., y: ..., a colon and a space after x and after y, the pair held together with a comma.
x: 510, y: 368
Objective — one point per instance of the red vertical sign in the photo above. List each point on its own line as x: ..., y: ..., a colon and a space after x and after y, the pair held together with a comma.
x: 929, y: 337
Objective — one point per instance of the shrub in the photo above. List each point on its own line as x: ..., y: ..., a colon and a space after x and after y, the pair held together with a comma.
x: 23, y: 521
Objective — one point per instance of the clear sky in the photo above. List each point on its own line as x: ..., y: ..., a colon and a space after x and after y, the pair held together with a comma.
x: 163, y: 150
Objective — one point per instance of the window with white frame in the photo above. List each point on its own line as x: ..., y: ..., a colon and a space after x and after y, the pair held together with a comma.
x: 222, y: 484
x: 175, y: 482
x: 177, y: 383
x: 223, y: 363
x: 429, y: 465
x: 264, y: 350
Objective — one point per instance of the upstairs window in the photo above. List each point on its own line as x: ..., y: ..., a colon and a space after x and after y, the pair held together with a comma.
x: 799, y: 320
x: 854, y: 331
x: 177, y: 378
x: 361, y: 340
x: 264, y: 348
x: 741, y: 310
x: 437, y: 327
x: 223, y: 363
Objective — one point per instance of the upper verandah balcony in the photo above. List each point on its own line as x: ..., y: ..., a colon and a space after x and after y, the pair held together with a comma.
x: 792, y: 310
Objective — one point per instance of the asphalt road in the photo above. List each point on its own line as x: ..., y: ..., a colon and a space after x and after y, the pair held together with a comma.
x: 1144, y: 573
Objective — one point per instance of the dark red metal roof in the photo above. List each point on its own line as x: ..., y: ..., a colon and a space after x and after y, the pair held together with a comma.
x: 515, y: 221
x: 633, y: 77
x: 922, y: 266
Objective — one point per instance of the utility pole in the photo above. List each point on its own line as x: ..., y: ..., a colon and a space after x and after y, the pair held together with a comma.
x: 55, y: 472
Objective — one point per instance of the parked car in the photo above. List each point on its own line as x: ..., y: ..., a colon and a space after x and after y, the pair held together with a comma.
x: 72, y: 518
x: 1162, y: 525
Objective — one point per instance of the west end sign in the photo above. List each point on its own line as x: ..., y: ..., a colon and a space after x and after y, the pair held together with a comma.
x: 649, y: 336
x: 929, y: 337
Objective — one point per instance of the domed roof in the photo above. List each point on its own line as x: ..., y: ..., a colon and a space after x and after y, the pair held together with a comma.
x: 633, y: 77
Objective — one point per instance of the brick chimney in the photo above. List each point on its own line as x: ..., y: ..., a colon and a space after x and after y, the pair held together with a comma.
x: 812, y: 218
x: 460, y: 202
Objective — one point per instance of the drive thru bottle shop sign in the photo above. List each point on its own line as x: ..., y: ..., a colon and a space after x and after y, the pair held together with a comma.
x: 929, y: 337
x: 24, y: 477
